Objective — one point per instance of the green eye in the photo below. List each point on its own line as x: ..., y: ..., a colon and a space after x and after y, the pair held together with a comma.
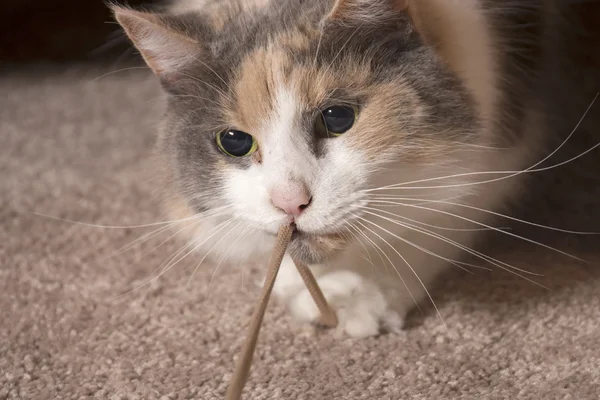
x: 236, y: 143
x: 336, y: 120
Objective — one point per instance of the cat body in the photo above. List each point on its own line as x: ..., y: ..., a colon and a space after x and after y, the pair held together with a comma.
x: 381, y: 128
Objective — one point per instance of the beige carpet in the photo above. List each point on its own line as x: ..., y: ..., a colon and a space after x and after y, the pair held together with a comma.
x: 76, y: 147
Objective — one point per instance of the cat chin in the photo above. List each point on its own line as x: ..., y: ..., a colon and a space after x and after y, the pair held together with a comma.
x: 315, y: 249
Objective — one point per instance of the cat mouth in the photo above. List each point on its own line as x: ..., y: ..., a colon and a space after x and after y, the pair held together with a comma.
x: 314, y: 248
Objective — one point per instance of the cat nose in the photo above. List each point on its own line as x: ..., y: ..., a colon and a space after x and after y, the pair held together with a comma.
x: 293, y: 201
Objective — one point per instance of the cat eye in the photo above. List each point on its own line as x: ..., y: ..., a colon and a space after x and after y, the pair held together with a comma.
x: 236, y: 143
x: 336, y: 120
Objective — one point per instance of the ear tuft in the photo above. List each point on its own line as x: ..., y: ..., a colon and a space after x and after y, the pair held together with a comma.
x: 367, y: 10
x: 164, y: 47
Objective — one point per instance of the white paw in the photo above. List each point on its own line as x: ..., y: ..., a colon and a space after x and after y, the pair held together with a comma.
x: 361, y: 307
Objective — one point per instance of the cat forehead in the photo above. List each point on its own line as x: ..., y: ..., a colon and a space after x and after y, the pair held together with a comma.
x: 263, y: 53
x: 271, y: 81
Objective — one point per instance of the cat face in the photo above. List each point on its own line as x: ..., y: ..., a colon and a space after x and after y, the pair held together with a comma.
x: 294, y: 111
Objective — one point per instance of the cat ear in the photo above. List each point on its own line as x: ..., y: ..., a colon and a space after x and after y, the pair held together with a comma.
x: 164, y: 46
x: 366, y: 10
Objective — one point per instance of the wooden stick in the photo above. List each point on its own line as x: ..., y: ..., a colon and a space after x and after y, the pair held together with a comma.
x: 328, y: 317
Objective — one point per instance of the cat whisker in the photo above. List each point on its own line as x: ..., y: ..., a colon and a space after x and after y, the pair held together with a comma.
x: 341, y: 101
x: 197, y: 59
x: 210, y: 251
x: 210, y: 85
x: 144, y: 238
x: 510, y: 174
x: 170, y: 263
x: 421, y: 201
x: 332, y: 63
x: 392, y: 264
x: 377, y: 248
x: 458, y: 264
x: 226, y: 255
x: 116, y: 72
x: 500, y: 264
x: 398, y: 272
x: 367, y: 258
x: 407, y: 197
x: 220, y: 227
x: 445, y: 239
x: 90, y: 225
x: 518, y: 219
x: 491, y: 228
x: 316, y: 57
x: 473, y: 145
x: 437, y: 226
x: 181, y: 249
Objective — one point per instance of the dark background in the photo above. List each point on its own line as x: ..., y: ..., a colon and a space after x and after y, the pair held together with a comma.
x: 67, y: 30
x: 62, y: 30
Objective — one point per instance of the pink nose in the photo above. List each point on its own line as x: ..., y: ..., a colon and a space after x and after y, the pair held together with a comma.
x: 293, y: 201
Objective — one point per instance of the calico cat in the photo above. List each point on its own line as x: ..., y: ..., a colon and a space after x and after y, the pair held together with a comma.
x: 384, y: 129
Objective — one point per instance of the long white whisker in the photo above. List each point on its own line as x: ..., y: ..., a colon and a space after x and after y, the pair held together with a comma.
x: 140, y: 240
x: 179, y: 251
x: 91, y: 225
x: 427, y: 251
x: 437, y: 226
x: 395, y: 269
x: 357, y: 238
x: 314, y: 64
x: 340, y: 51
x: 497, y: 263
x: 171, y: 264
x: 113, y: 226
x: 242, y: 235
x: 223, y: 257
x: 519, y: 220
x: 199, y: 218
x: 146, y: 238
x: 377, y: 248
x: 531, y: 169
x: 494, y: 229
x: 476, y: 253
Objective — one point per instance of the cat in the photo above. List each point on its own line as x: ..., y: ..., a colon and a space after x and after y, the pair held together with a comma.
x: 383, y: 129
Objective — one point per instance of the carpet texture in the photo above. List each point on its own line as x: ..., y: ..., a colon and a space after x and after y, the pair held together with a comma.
x: 76, y: 146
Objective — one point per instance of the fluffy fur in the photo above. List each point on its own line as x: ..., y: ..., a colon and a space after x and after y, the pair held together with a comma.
x: 450, y: 93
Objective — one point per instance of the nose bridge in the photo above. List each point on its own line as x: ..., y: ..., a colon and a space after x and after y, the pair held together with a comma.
x: 286, y: 155
x: 288, y: 161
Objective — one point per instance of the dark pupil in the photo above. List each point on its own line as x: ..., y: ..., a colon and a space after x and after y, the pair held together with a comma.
x: 236, y: 143
x: 338, y: 119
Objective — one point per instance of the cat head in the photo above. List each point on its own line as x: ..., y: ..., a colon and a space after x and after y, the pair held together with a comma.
x: 294, y: 110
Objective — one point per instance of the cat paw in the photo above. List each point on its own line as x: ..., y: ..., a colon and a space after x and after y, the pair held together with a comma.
x: 361, y: 307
